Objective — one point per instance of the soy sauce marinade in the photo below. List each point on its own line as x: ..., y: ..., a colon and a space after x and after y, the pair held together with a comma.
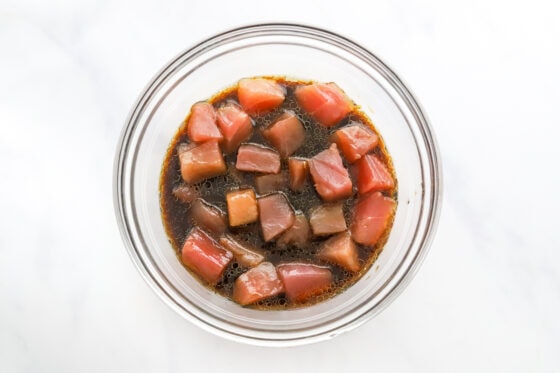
x: 178, y: 223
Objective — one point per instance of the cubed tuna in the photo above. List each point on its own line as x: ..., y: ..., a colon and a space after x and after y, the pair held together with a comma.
x: 257, y: 158
x: 330, y: 178
x: 204, y: 256
x: 303, y: 281
x: 327, y: 103
x: 354, y: 141
x: 236, y: 126
x: 185, y: 193
x: 269, y: 183
x: 201, y: 162
x: 256, y: 284
x: 242, y: 207
x: 372, y: 214
x: 244, y: 254
x: 208, y: 217
x: 286, y: 134
x: 276, y: 215
x: 258, y: 95
x: 372, y: 174
x: 340, y: 250
x: 201, y: 124
x: 299, y: 169
x: 297, y: 235
x: 327, y: 219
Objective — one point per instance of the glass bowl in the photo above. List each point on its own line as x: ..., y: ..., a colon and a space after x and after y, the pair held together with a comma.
x: 297, y: 52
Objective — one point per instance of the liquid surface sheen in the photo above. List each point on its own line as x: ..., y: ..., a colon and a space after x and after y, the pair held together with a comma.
x: 178, y: 223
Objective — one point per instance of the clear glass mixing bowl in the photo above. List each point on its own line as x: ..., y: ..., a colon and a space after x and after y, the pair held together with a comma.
x: 297, y: 52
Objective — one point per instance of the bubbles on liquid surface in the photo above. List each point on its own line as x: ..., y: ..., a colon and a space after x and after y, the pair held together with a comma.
x: 214, y: 190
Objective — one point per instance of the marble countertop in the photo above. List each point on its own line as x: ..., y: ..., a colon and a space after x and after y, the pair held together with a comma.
x: 487, y: 297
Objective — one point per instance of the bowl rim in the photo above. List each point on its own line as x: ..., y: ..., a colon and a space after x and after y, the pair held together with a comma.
x: 421, y: 119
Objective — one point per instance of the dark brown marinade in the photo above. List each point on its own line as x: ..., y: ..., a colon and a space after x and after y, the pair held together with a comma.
x: 175, y: 213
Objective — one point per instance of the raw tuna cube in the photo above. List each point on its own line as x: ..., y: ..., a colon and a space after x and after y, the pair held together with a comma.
x: 331, y: 179
x: 208, y: 217
x: 242, y: 207
x: 269, y: 183
x: 298, y: 168
x: 235, y: 125
x: 297, y: 235
x: 341, y: 250
x: 325, y: 102
x: 257, y: 158
x: 204, y: 256
x: 201, y: 162
x: 303, y: 281
x: 258, y: 95
x: 256, y: 284
x: 286, y: 134
x: 354, y: 141
x: 372, y: 174
x: 185, y: 193
x: 372, y: 213
x: 185, y: 147
x: 327, y: 219
x: 244, y: 254
x: 276, y: 215
x: 201, y: 125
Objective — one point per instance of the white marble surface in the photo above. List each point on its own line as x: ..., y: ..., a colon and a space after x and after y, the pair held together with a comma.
x: 488, y: 295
